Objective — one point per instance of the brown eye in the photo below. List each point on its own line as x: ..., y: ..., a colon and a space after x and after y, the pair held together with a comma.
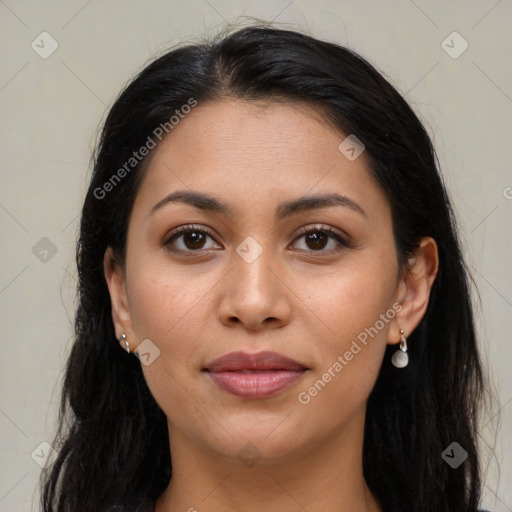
x: 317, y: 238
x: 192, y: 238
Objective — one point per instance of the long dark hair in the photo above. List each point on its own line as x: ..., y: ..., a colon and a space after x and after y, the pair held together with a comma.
x: 112, y: 437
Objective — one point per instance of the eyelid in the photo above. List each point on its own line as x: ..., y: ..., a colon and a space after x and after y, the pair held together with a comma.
x: 342, y: 238
x: 331, y: 231
x: 185, y: 229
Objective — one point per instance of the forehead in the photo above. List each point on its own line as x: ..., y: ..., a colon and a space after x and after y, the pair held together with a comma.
x: 255, y: 151
x: 237, y: 129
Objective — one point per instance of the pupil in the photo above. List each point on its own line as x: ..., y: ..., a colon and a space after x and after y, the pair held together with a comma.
x: 316, y: 238
x: 195, y: 238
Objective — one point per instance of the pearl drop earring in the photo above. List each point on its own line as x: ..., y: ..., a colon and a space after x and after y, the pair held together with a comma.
x: 400, y: 358
x: 126, y: 342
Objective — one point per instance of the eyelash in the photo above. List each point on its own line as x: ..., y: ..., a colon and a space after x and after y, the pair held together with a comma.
x: 327, y: 230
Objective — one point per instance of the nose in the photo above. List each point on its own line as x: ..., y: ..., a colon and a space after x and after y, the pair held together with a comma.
x: 254, y: 294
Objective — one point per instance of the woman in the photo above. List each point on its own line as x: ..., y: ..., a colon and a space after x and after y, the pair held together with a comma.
x: 266, y: 230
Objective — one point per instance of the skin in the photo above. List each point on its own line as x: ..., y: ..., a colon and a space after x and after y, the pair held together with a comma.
x: 306, y: 301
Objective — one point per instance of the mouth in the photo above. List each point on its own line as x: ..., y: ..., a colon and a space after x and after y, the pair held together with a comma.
x: 258, y: 375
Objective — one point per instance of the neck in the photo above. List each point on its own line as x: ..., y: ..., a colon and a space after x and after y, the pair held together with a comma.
x: 327, y: 478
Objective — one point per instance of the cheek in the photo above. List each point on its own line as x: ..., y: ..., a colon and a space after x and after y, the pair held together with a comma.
x: 350, y: 353
x: 354, y: 312
x: 354, y: 299
x: 164, y: 300
x: 165, y: 308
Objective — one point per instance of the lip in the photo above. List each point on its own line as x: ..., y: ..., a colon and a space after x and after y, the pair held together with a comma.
x: 265, y: 360
x: 255, y: 375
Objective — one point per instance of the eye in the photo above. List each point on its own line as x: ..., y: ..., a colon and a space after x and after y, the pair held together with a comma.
x: 193, y: 239
x: 317, y: 238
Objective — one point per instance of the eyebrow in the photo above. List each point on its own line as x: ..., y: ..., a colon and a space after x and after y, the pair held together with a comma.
x: 285, y: 209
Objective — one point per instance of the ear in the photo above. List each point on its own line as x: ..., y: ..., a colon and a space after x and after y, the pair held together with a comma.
x: 121, y: 314
x: 414, y: 288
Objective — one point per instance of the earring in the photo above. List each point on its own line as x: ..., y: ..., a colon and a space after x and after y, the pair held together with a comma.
x: 126, y: 342
x: 400, y: 358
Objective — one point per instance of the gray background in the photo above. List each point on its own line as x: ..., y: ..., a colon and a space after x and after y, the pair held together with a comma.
x: 50, y: 111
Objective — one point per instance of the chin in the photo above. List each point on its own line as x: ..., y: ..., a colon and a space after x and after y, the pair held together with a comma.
x: 268, y: 442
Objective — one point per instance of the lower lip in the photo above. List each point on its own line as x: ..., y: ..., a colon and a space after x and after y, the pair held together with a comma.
x: 258, y: 384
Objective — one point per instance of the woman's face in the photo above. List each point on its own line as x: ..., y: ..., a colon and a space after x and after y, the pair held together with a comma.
x: 247, y: 279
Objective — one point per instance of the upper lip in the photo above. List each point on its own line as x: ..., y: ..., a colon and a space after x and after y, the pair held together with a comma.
x: 266, y: 360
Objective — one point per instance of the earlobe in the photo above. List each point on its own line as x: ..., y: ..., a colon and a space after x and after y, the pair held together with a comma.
x: 115, y: 278
x: 414, y: 289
